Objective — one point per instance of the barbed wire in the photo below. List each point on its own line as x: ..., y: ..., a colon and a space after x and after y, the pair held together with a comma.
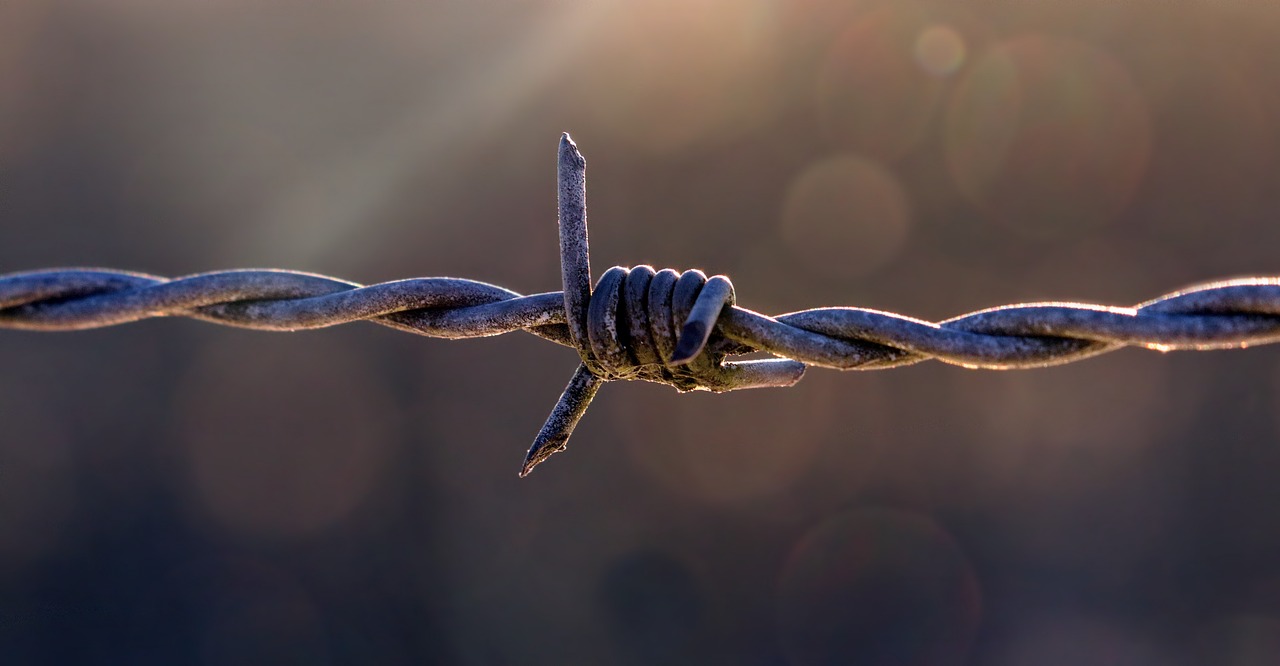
x: 641, y: 323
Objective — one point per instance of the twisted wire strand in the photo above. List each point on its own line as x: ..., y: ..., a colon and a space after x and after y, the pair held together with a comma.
x: 641, y: 323
x: 1218, y: 315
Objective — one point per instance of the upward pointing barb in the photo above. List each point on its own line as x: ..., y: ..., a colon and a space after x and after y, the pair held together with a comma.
x: 575, y: 262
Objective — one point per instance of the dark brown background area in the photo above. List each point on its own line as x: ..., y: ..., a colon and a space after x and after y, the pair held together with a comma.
x: 174, y: 492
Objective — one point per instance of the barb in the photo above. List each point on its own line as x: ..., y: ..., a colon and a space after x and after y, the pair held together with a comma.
x: 640, y: 323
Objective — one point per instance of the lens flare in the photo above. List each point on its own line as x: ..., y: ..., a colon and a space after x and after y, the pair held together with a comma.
x: 878, y: 586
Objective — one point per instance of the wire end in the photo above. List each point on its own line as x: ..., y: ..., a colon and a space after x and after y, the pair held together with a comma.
x: 537, y: 455
x: 693, y: 337
x: 569, y: 156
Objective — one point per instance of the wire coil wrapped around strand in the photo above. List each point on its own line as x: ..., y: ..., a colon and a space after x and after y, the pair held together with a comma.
x: 640, y: 323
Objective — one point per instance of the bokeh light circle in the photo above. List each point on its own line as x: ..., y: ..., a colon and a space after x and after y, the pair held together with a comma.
x: 1068, y: 638
x: 873, y: 96
x: 1247, y: 639
x: 653, y: 606
x: 1059, y: 429
x: 495, y: 553
x: 37, y: 476
x: 286, y: 440
x: 878, y: 586
x: 1216, y: 160
x: 845, y: 216
x: 261, y: 614
x: 1048, y: 136
x: 940, y: 50
x: 727, y: 448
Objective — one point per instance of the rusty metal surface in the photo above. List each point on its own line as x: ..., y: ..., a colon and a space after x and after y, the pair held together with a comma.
x: 639, y: 323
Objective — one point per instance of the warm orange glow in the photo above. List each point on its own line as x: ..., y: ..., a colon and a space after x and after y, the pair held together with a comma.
x: 177, y: 493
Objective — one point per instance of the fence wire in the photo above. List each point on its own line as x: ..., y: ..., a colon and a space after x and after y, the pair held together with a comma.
x: 641, y: 323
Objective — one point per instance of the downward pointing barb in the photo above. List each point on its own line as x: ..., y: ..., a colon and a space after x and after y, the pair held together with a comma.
x: 555, y: 433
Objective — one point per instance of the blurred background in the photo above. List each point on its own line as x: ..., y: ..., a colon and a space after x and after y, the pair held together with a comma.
x: 178, y: 493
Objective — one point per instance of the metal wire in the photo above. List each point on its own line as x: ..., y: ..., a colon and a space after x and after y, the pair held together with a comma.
x: 638, y: 323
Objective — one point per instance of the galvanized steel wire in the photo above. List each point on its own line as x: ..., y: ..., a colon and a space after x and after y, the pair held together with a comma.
x: 639, y: 323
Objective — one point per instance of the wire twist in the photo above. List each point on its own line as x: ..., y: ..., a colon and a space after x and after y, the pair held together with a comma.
x: 639, y: 323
